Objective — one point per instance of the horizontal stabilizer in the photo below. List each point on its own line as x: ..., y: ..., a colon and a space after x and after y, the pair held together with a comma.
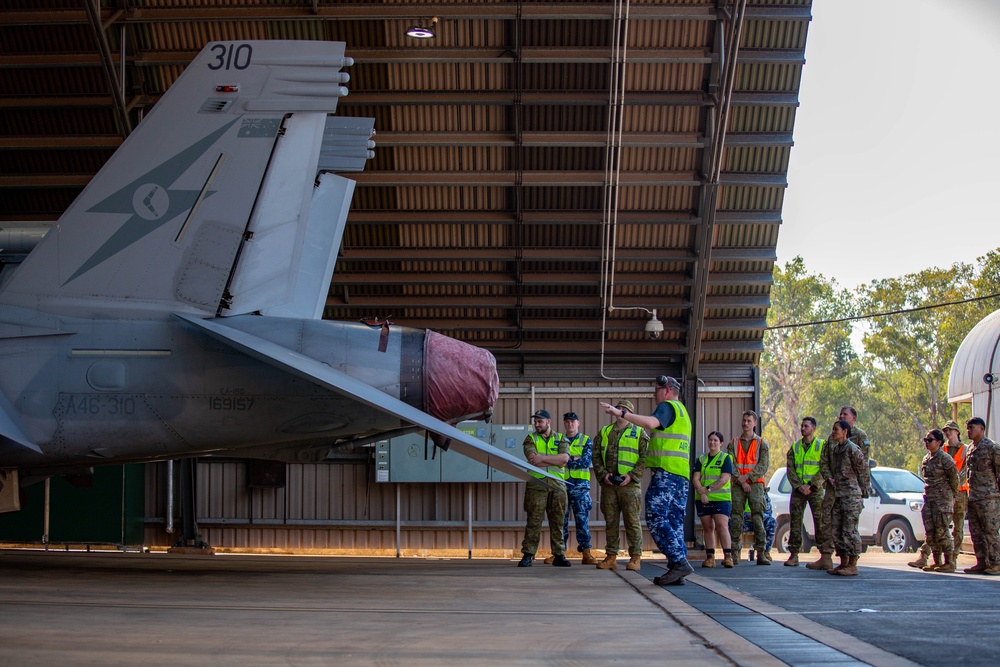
x: 334, y: 380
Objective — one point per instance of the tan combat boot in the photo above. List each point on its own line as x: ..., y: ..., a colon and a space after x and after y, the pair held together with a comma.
x: 850, y: 569
x: 549, y: 559
x: 978, y: 568
x: 920, y: 563
x: 736, y: 555
x: 935, y: 565
x: 728, y: 560
x: 767, y: 555
x: 634, y: 563
x: 844, y: 560
x: 762, y: 558
x: 825, y: 562
x: 793, y: 559
x: 949, y: 564
x: 588, y: 558
x: 610, y: 562
x: 708, y: 562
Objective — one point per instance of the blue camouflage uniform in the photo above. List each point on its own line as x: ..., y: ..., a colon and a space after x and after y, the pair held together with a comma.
x: 667, y: 495
x: 581, y: 451
x: 770, y: 524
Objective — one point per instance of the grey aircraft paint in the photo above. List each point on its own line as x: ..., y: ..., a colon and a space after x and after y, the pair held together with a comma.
x: 173, y: 309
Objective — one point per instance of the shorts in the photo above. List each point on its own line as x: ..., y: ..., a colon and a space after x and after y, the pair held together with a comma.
x: 714, y: 507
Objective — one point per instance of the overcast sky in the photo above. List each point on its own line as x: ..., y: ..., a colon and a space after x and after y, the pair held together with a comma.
x: 897, y: 139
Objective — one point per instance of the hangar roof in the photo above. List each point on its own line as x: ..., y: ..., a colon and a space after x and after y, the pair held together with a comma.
x: 547, y: 174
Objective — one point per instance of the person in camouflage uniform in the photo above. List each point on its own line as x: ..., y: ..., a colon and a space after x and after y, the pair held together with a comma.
x: 859, y: 438
x: 803, y: 471
x: 940, y: 487
x: 751, y: 456
x: 620, y: 450
x: 983, y: 462
x: 845, y: 481
x: 669, y: 460
x: 550, y: 451
x: 953, y: 447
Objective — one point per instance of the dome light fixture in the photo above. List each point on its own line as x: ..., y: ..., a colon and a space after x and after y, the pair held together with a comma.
x: 421, y: 31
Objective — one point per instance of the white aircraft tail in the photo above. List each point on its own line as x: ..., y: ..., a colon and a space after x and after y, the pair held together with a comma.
x: 215, y: 204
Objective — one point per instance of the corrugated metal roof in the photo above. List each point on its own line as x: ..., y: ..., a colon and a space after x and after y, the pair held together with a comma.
x: 499, y: 208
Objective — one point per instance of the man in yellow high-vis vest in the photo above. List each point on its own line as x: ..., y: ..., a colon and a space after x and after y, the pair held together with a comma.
x: 543, y: 496
x: 669, y: 462
x: 802, y: 469
x: 619, y: 463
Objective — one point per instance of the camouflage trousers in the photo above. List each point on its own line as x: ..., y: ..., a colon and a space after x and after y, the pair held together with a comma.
x: 984, y: 524
x: 666, y: 504
x: 579, y: 504
x: 541, y: 499
x: 844, y: 525
x: 958, y: 525
x: 797, y: 509
x: 826, y: 518
x: 938, y: 527
x: 622, y: 502
x: 757, y: 498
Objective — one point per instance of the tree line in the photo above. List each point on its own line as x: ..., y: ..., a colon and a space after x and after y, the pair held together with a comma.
x: 891, y: 363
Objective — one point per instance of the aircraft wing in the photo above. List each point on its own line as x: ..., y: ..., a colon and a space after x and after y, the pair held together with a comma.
x: 334, y: 380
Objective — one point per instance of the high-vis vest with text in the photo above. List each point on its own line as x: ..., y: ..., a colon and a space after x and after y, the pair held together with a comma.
x: 628, y: 447
x: 576, y: 449
x: 711, y: 472
x: 549, y: 447
x: 669, y: 448
x: 746, y: 460
x: 807, y: 460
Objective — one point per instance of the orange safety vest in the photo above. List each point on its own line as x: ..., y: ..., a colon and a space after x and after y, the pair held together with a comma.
x: 746, y: 460
x: 960, y: 463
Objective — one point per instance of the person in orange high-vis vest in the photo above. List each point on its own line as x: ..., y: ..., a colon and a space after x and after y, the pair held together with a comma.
x: 953, y: 445
x: 752, y: 457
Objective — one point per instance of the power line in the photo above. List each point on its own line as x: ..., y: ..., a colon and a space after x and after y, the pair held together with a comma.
x: 885, y: 314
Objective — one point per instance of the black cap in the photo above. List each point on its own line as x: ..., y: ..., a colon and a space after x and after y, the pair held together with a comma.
x: 668, y: 382
x: 541, y: 414
x: 570, y: 415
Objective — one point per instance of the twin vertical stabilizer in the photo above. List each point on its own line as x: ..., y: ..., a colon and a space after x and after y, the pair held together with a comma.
x: 206, y: 208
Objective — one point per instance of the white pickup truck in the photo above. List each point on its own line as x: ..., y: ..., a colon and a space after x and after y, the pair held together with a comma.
x: 890, y: 518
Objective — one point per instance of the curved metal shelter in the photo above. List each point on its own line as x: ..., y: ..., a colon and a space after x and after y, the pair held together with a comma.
x: 549, y: 176
x: 975, y: 372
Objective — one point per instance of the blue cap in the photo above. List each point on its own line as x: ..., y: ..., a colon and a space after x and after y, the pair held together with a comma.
x: 570, y: 416
x: 541, y: 414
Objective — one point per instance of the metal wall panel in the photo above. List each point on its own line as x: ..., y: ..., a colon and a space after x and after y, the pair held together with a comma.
x: 337, y: 507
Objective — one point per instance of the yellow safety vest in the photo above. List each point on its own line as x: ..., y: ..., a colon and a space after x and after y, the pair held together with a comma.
x: 576, y: 446
x: 628, y: 447
x: 711, y: 472
x: 807, y: 460
x: 549, y: 447
x: 669, y: 448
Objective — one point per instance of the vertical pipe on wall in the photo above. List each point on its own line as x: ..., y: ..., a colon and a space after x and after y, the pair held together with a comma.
x: 45, y: 517
x: 398, y: 551
x: 170, y: 497
x: 469, y: 493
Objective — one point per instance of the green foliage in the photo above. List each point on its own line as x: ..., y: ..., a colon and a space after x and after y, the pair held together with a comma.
x: 893, y: 369
x: 799, y: 362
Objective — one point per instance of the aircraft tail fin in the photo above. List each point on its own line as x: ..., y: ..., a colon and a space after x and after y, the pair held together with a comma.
x: 165, y: 224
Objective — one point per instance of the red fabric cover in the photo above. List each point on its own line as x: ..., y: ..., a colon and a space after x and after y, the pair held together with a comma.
x: 460, y: 380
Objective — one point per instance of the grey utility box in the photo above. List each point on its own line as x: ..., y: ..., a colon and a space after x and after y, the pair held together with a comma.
x: 411, y: 458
